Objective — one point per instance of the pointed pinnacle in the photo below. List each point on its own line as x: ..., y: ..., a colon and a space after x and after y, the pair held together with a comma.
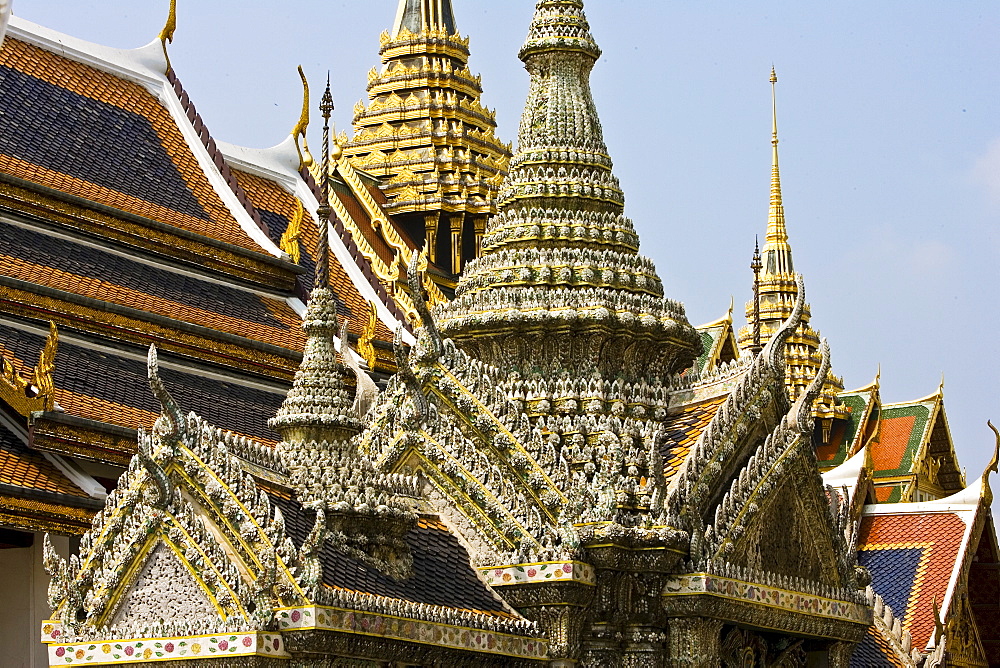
x: 326, y: 104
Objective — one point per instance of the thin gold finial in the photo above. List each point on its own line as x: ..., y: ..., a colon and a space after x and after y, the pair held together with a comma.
x: 774, y: 107
x: 776, y: 249
x: 167, y: 34
x: 323, y: 252
x: 299, y: 131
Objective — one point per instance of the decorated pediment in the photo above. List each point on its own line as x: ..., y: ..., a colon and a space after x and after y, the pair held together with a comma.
x: 164, y: 590
x: 187, y: 541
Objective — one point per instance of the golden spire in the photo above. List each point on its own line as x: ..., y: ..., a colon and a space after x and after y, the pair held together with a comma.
x: 777, y: 253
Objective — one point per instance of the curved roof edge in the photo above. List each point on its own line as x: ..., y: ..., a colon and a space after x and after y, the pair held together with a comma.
x: 280, y: 164
x: 147, y: 67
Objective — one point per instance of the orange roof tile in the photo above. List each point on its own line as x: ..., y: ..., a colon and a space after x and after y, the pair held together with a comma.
x: 911, y: 557
x: 82, y: 83
x: 893, y: 443
x: 290, y: 336
x: 270, y: 197
x: 683, y: 429
x: 22, y: 467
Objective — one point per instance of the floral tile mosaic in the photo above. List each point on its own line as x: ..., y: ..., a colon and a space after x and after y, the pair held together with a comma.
x: 702, y: 583
x: 542, y: 572
x: 165, y: 649
x: 387, y: 626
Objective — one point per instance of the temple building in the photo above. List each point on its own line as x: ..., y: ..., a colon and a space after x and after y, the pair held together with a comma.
x: 417, y: 399
x: 426, y: 135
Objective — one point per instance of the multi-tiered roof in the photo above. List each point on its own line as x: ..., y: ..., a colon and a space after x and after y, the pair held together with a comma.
x: 427, y: 135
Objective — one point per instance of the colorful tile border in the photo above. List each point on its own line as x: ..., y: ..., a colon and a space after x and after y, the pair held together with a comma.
x: 414, y: 630
x: 548, y: 571
x: 736, y: 590
x: 167, y: 649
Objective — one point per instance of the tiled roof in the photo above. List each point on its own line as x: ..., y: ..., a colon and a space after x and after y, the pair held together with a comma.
x: 681, y: 431
x: 22, y: 467
x: 90, y: 134
x: 110, y: 387
x: 844, y: 434
x: 441, y: 575
x: 902, y: 432
x: 911, y: 557
x: 874, y: 651
x: 363, y: 220
x: 59, y: 263
x: 277, y: 207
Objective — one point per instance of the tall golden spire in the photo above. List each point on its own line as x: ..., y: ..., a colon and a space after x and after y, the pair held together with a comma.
x: 775, y: 294
x: 777, y: 253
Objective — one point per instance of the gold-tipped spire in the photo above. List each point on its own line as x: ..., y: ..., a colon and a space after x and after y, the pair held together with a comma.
x: 775, y: 292
x: 777, y: 252
x: 299, y: 131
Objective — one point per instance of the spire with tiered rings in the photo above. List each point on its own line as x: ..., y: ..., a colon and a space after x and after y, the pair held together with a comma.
x: 560, y: 275
x: 319, y: 419
x: 775, y: 294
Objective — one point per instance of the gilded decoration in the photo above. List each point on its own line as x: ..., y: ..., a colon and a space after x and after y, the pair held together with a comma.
x: 561, y: 472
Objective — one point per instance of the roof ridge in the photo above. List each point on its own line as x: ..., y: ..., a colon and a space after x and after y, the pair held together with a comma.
x: 213, y: 150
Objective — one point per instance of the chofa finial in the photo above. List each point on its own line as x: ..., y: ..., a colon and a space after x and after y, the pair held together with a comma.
x: 299, y: 131
x: 167, y: 34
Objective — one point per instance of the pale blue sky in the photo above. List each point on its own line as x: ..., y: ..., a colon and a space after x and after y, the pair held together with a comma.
x: 889, y: 116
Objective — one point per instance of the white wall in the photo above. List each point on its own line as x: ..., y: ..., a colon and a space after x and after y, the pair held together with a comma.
x: 23, y: 605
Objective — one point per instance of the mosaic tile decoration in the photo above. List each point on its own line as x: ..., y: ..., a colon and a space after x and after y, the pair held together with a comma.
x: 550, y: 571
x: 153, y: 650
x: 401, y: 628
x: 714, y: 585
x: 911, y: 557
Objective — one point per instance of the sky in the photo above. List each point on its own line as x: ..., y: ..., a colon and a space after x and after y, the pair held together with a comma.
x: 889, y: 118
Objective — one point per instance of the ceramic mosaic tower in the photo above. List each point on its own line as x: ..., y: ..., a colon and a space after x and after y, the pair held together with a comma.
x: 559, y: 276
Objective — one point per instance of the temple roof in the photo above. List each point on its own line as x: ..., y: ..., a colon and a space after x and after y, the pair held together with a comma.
x: 918, y: 553
x: 914, y: 446
x: 122, y: 139
x: 96, y: 381
x: 441, y: 575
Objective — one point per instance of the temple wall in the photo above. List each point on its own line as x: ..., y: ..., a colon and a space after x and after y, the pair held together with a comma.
x: 23, y: 605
